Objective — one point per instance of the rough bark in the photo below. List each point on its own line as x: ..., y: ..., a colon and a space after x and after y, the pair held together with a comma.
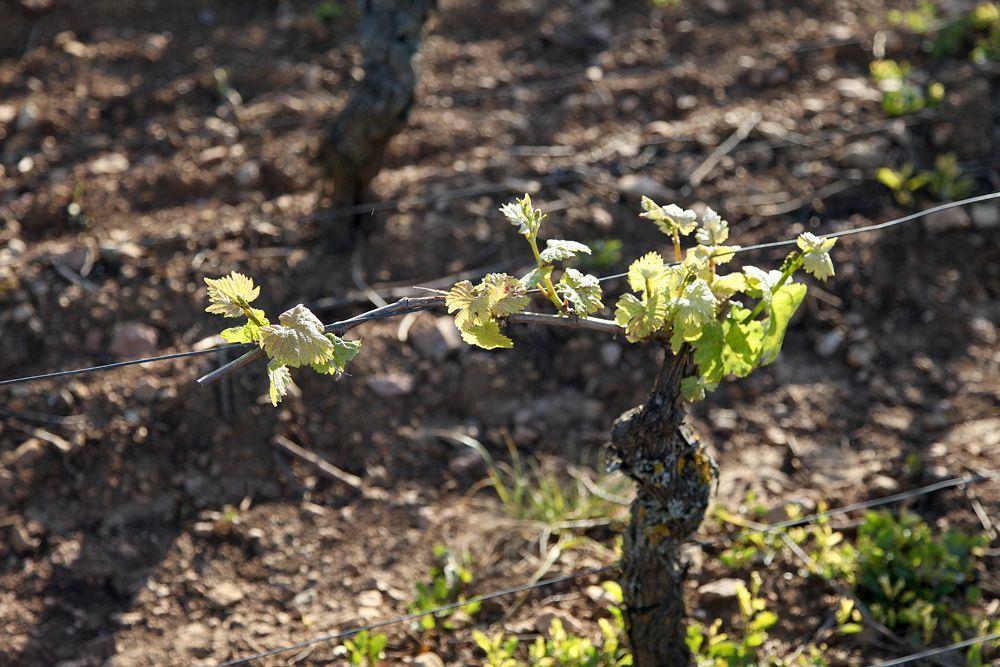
x: 353, y: 146
x: 673, y: 475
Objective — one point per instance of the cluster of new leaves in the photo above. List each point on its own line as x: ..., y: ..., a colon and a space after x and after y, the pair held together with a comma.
x: 297, y: 340
x: 480, y: 309
x: 689, y: 302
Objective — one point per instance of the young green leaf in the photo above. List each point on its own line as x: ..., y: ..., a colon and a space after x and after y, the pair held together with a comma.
x: 695, y: 307
x: 520, y: 214
x: 582, y: 291
x: 816, y: 255
x: 225, y: 294
x: 648, y: 272
x: 486, y: 335
x: 298, y: 339
x: 743, y: 340
x: 641, y: 318
x: 714, y: 230
x: 708, y: 352
x: 670, y: 218
x: 693, y: 388
x: 557, y: 250
x: 472, y: 304
x: 505, y: 294
x: 727, y: 285
x: 248, y: 333
x: 280, y: 379
x: 536, y: 277
x: 344, y: 352
x: 784, y: 302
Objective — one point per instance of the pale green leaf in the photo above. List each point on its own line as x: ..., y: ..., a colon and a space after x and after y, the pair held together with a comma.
x: 505, y: 294
x: 727, y: 285
x: 762, y: 621
x: 708, y: 352
x: 816, y: 255
x: 641, y: 318
x: 693, y: 308
x: 723, y: 254
x: 536, y: 277
x: 760, y: 284
x: 557, y: 250
x: 714, y: 230
x: 486, y: 335
x: 582, y: 291
x: 298, y: 339
x: 693, y: 388
x: 248, y: 333
x: 225, y: 294
x: 741, y: 352
x: 649, y: 272
x: 459, y: 296
x: 670, y: 218
x: 472, y: 304
x: 784, y: 303
x: 344, y: 352
x: 280, y: 379
x: 521, y: 214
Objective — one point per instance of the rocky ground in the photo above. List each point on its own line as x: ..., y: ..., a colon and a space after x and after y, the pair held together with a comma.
x: 145, y: 146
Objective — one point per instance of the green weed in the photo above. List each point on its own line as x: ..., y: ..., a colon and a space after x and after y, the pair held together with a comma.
x: 448, y: 578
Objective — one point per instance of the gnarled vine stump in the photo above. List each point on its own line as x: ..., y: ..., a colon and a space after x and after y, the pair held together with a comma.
x: 673, y: 476
x: 353, y: 146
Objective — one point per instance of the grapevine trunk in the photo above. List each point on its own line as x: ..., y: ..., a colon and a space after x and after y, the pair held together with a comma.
x: 673, y: 475
x: 353, y: 146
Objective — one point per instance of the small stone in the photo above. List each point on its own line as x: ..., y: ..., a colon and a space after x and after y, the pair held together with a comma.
x: 248, y: 175
x: 828, y: 344
x: 548, y: 614
x: 146, y: 390
x: 947, y: 220
x: 28, y: 453
x: 372, y: 598
x: 861, y: 355
x: 27, y: 119
x: 194, y: 639
x: 21, y: 540
x: 985, y: 216
x: 723, y: 419
x: 428, y: 660
x: 110, y: 164
x: 858, y: 88
x: 133, y: 339
x: 635, y: 186
x: 435, y: 340
x: 213, y: 156
x: 8, y: 112
x: 391, y: 385
x: 720, y: 590
x: 224, y: 595
x: 866, y: 154
x: 883, y: 485
x: 611, y: 354
x: 599, y: 596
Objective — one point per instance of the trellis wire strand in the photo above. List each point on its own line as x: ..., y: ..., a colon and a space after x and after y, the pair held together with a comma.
x: 899, y: 497
x: 937, y: 651
x: 989, y: 475
x: 850, y: 232
x: 774, y: 244
x: 419, y: 614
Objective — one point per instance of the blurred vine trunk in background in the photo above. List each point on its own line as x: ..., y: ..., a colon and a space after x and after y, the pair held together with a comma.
x: 353, y: 146
x: 673, y: 475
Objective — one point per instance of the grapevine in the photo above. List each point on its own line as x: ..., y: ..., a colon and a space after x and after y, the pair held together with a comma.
x: 732, y: 322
